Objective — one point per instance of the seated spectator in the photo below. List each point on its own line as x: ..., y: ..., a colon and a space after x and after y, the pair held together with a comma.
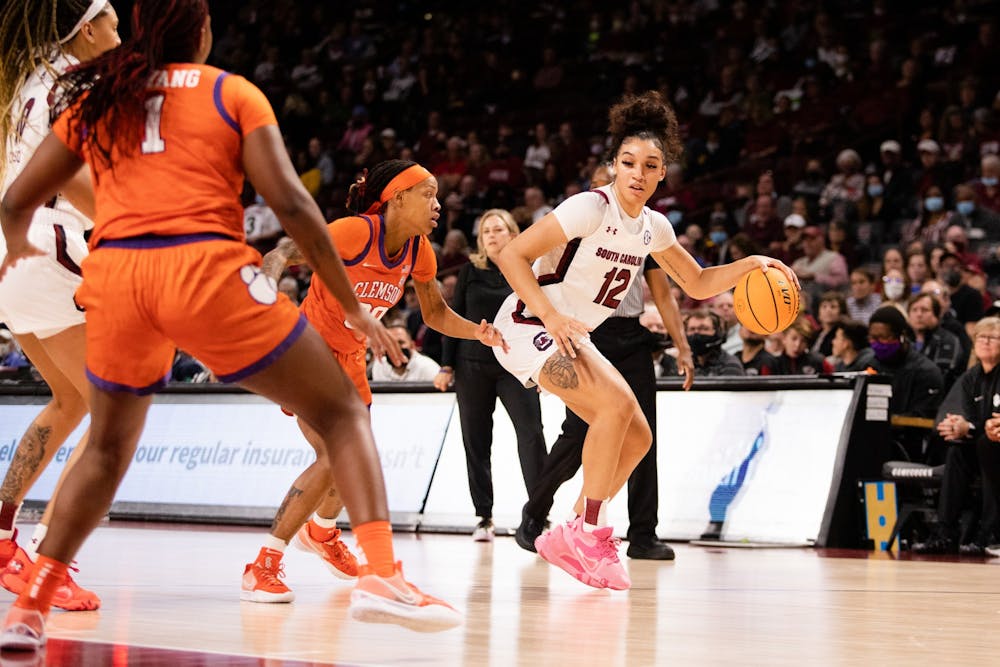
x: 916, y: 381
x: 840, y: 240
x: 917, y: 270
x: 832, y: 307
x: 949, y: 321
x: 722, y: 305
x: 795, y: 357
x: 534, y: 201
x: 811, y: 187
x: 789, y: 249
x: 971, y: 215
x: 895, y: 290
x: 841, y: 195
x: 899, y: 189
x: 454, y: 253
x: 862, y: 301
x: 819, y: 270
x: 966, y: 301
x: 968, y: 423
x: 705, y: 332
x: 987, y: 186
x: 763, y: 225
x: 418, y: 368
x: 851, y: 353
x: 937, y: 344
x: 934, y: 218
x: 957, y: 241
x: 755, y: 359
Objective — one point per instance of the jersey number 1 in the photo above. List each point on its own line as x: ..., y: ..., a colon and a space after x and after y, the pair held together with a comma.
x: 152, y: 142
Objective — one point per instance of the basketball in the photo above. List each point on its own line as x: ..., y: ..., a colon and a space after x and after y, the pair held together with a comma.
x: 766, y: 302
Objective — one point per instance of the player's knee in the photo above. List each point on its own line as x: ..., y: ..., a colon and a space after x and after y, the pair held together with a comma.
x: 640, y: 436
x: 69, y: 406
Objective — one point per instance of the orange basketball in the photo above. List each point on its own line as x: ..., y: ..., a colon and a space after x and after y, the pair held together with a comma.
x: 766, y: 302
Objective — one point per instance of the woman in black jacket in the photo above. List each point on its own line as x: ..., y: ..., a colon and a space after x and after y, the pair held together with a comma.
x: 479, y: 379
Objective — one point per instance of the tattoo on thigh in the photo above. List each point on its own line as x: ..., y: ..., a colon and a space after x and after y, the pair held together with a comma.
x: 560, y: 371
x: 332, y: 493
x: 27, y: 460
x: 292, y: 494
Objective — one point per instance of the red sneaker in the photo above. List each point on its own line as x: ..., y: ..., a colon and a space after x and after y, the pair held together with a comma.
x: 262, y: 580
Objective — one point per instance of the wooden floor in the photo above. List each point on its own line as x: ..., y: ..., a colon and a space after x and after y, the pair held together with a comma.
x: 175, y: 587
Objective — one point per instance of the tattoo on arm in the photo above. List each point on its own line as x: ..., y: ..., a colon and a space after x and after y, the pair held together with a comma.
x: 27, y: 460
x: 673, y: 271
x: 290, y: 497
x: 560, y: 371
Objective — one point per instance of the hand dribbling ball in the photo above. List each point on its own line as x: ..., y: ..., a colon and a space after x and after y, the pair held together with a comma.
x: 766, y: 302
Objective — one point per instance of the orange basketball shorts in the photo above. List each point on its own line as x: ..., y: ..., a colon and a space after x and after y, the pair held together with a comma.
x: 202, y: 293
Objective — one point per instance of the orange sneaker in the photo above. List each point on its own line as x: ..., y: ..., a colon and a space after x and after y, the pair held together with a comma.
x: 23, y: 630
x: 8, y: 548
x: 262, y: 580
x: 393, y: 599
x: 69, y: 596
x: 334, y: 552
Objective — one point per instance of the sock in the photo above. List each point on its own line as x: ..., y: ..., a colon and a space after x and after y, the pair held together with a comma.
x: 594, y: 514
x: 45, y: 577
x: 375, y: 540
x: 322, y: 529
x: 275, y: 543
x: 8, y: 516
x: 36, y: 540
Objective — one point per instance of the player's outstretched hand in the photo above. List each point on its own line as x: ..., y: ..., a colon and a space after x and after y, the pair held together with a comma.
x: 16, y: 252
x: 767, y: 262
x: 685, y: 366
x: 379, y: 339
x: 488, y: 335
x: 567, y: 332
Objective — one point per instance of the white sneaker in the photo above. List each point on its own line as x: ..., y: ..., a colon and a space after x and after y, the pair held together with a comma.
x: 23, y: 630
x: 484, y: 531
x: 993, y: 550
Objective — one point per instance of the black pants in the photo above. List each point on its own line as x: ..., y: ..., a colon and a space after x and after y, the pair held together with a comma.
x: 624, y: 342
x: 963, y: 465
x: 477, y: 386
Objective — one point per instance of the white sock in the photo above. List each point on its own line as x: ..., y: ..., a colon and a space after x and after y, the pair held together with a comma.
x: 36, y: 540
x: 323, y: 522
x: 9, y: 534
x: 275, y: 543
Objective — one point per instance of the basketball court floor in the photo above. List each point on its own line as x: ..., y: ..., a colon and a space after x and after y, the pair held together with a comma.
x: 171, y: 597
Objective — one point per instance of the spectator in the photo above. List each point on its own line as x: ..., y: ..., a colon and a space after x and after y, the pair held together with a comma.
x: 705, y: 332
x: 934, y: 218
x: 987, y: 186
x: 321, y: 160
x: 795, y: 358
x: 949, y: 321
x: 832, y: 307
x: 917, y: 270
x: 811, y: 186
x: 763, y: 225
x: 970, y: 427
x: 722, y: 305
x: 851, y: 353
x: 755, y: 359
x: 819, y: 269
x: 841, y: 195
x: 534, y: 201
x: 454, y: 253
x: 937, y: 344
x: 916, y: 381
x: 789, y: 250
x: 965, y: 301
x: 895, y: 290
x: 932, y: 172
x: 538, y: 154
x: 862, y: 301
x: 970, y: 214
x: 418, y: 368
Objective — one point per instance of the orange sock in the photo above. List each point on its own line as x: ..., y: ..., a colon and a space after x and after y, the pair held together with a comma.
x: 375, y: 539
x: 45, y: 577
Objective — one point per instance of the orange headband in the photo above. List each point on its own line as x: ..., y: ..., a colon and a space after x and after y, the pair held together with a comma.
x: 404, y: 180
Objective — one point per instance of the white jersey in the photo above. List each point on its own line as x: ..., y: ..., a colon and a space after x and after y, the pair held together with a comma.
x: 30, y: 115
x: 587, y: 278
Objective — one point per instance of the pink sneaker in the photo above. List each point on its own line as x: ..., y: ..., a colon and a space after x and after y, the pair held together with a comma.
x: 590, y: 557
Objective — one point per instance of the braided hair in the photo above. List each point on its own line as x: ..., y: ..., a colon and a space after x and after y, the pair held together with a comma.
x: 114, y: 109
x: 646, y: 116
x: 368, y: 189
x: 30, y: 31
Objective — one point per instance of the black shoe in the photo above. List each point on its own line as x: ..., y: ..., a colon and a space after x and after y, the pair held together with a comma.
x: 527, y: 532
x: 650, y: 550
x: 972, y: 549
x: 713, y: 531
x: 935, y: 545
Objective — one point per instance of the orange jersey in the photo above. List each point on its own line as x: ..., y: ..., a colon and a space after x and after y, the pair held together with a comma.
x: 186, y: 176
x: 377, y: 278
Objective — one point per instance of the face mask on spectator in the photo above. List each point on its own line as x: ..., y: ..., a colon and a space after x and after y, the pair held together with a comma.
x: 965, y: 207
x: 893, y: 289
x: 875, y: 190
x: 702, y: 344
x: 990, y: 181
x: 934, y: 204
x: 718, y: 237
x: 675, y: 217
x: 886, y: 351
x: 951, y: 277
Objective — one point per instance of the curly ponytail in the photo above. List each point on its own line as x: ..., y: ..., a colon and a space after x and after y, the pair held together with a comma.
x: 646, y: 116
